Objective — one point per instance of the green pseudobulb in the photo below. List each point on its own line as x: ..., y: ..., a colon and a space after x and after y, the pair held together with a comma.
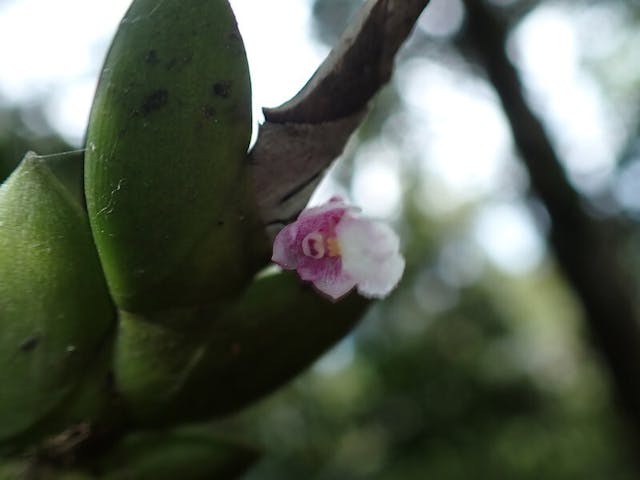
x: 25, y: 470
x: 175, y: 228
x: 277, y: 328
x: 56, y: 316
x: 165, y: 171
x: 191, y: 453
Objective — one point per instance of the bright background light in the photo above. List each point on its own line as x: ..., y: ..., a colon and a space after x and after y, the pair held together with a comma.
x: 52, y: 52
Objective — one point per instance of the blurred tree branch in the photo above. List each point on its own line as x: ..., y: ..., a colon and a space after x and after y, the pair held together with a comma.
x: 584, y: 246
x: 300, y: 139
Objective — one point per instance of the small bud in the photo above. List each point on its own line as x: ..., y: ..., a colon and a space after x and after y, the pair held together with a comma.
x: 337, y: 250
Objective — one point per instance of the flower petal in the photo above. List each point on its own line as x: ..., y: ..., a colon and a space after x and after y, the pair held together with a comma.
x: 370, y: 254
x: 380, y: 285
x: 335, y: 203
x: 285, y: 249
x: 335, y: 287
x: 327, y: 276
x: 326, y: 272
x: 311, y: 269
x: 334, y: 249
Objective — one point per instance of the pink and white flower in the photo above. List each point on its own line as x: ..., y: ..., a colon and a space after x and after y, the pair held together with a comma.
x: 337, y: 250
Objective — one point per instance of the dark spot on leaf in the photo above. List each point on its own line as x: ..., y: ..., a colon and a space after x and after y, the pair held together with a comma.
x: 209, y: 112
x: 222, y: 89
x: 220, y: 223
x: 30, y: 343
x: 154, y: 101
x: 178, y: 62
x: 152, y: 57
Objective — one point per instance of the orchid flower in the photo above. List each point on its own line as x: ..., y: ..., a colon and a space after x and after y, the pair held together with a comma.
x: 337, y: 250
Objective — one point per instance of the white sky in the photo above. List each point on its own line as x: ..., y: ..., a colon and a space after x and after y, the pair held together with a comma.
x: 53, y: 50
x: 59, y: 47
x: 549, y: 54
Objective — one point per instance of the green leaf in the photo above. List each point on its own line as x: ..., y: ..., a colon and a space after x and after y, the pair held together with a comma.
x: 26, y: 469
x: 187, y: 454
x: 277, y: 328
x: 55, y: 310
x: 166, y: 179
x: 153, y: 357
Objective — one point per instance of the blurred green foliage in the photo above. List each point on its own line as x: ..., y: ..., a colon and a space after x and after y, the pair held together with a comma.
x: 24, y: 128
x: 485, y: 381
x: 480, y: 375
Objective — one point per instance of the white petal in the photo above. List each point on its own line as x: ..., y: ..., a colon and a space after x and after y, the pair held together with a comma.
x: 370, y: 254
x: 335, y: 288
x: 389, y: 274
